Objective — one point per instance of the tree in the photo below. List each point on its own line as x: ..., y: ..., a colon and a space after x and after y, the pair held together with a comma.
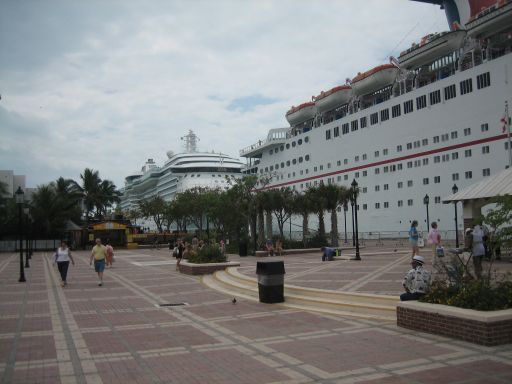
x: 153, y: 209
x: 195, y: 203
x: 98, y: 195
x: 282, y: 206
x: 318, y: 205
x: 302, y: 205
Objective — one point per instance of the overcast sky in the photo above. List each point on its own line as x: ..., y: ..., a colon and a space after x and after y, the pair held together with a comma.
x: 108, y: 84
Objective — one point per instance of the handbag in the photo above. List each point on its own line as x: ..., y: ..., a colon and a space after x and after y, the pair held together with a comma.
x: 421, y: 243
x: 440, y: 251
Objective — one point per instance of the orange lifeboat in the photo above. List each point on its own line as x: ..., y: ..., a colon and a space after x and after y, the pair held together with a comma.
x: 327, y: 101
x: 374, y: 79
x: 490, y: 20
x: 302, y: 113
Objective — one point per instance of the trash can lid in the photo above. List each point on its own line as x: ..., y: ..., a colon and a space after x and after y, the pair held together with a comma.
x: 270, y: 268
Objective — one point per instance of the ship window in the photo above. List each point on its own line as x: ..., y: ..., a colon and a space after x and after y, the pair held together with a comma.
x: 374, y: 118
x: 484, y: 127
x: 409, y: 202
x: 345, y: 177
x: 321, y: 167
x: 386, y: 204
x: 376, y: 154
x: 345, y: 161
x: 377, y: 188
x: 281, y: 148
x: 386, y: 169
x: 327, y: 136
x: 356, y: 158
x: 338, y: 178
x: 299, y: 141
x: 425, y: 161
x: 466, y: 86
x: 467, y: 131
x: 294, y: 161
x: 409, y: 164
x: 506, y: 145
x: 377, y: 171
x: 338, y: 163
x: 192, y: 175
x: 400, y: 203
x: 365, y: 189
x: 400, y: 184
x: 424, y: 142
x: 356, y: 175
x: 444, y: 137
x: 276, y: 150
x: 271, y: 152
x: 450, y: 92
x: 425, y: 181
x: 306, y: 139
x: 328, y: 165
x: 467, y: 153
x: 384, y: 115
x: 437, y: 179
x: 365, y: 207
x: 408, y: 107
x: 315, y: 168
x: 485, y: 149
x: 306, y: 157
x: 377, y: 205
x: 436, y: 139
x: 409, y: 183
x: 409, y: 145
x: 287, y: 146
x: 455, y: 176
x: 363, y: 122
x: 468, y: 174
x: 354, y: 125
x: 417, y: 144
x: 301, y: 159
x: 421, y: 102
x: 294, y: 144
x: 282, y: 164
x: 483, y: 80
x: 399, y: 166
x: 453, y: 134
x: 277, y: 166
x: 386, y: 187
x: 385, y: 151
x: 336, y: 131
x: 271, y: 168
x: 446, y: 158
x: 344, y: 129
x: 417, y: 163
x: 455, y: 155
x: 399, y: 148
x: 365, y: 173
x: 435, y: 97
x: 396, y: 110
x: 288, y: 163
x: 307, y: 171
x: 364, y: 156
x: 437, y: 199
x: 486, y: 172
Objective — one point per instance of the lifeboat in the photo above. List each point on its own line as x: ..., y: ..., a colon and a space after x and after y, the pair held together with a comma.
x: 431, y: 48
x: 374, y: 79
x: 302, y: 113
x: 491, y: 20
x: 327, y: 101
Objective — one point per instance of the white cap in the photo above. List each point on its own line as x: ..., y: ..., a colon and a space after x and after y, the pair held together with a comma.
x: 419, y: 259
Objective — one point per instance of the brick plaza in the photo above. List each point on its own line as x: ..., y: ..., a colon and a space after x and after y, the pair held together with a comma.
x: 119, y: 333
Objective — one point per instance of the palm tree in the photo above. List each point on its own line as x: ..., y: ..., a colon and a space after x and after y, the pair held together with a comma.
x: 98, y: 195
x: 302, y: 205
x: 318, y: 205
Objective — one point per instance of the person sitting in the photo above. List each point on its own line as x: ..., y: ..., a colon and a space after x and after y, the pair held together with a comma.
x: 328, y: 253
x: 269, y: 247
x: 416, y: 281
x: 279, y: 247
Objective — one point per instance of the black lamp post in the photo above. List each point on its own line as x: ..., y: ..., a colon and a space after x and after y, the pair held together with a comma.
x: 345, y: 209
x: 19, y: 198
x: 354, y: 204
x: 26, y: 211
x: 353, y: 223
x: 426, y: 200
x: 455, y: 189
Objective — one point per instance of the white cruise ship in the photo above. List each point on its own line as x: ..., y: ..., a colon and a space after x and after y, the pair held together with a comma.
x: 431, y: 119
x: 180, y: 172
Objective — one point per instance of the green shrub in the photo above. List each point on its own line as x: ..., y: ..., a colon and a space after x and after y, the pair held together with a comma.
x: 208, y: 254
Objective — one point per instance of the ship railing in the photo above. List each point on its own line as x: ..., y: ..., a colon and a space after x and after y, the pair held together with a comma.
x: 275, y: 136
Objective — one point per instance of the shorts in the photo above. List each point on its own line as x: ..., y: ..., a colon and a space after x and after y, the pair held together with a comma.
x: 413, y: 242
x: 99, y: 265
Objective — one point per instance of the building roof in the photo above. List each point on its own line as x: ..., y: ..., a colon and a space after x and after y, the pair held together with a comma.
x: 497, y: 185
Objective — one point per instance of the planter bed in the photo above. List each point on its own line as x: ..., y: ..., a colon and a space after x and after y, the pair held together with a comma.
x: 204, y: 269
x: 479, y: 327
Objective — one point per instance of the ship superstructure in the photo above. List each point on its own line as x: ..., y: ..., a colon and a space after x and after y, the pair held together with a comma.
x: 181, y: 171
x: 428, y: 120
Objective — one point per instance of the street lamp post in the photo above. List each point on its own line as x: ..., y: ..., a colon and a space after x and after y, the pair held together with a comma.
x: 426, y: 200
x: 353, y: 224
x: 19, y: 198
x: 455, y: 189
x: 345, y: 209
x: 26, y: 211
x: 354, y: 197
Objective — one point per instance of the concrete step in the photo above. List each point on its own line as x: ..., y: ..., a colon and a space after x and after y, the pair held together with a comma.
x: 360, y: 305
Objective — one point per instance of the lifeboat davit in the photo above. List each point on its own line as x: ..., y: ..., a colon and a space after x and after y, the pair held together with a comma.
x: 327, y: 101
x: 302, y: 113
x: 374, y: 79
x: 491, y: 20
x: 431, y: 48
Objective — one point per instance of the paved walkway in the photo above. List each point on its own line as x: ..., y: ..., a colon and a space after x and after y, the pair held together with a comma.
x: 118, y: 333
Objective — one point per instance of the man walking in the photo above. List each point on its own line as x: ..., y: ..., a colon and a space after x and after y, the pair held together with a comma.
x: 99, y: 253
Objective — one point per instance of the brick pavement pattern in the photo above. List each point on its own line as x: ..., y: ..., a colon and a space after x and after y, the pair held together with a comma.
x: 119, y: 333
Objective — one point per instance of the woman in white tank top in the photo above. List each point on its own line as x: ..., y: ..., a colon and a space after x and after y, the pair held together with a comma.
x: 62, y: 258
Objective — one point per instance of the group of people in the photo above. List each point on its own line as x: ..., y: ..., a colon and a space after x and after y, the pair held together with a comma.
x: 183, y: 249
x: 103, y: 256
x: 417, y: 280
x: 271, y: 250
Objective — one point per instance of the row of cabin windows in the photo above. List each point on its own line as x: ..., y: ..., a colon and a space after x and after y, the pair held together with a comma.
x: 288, y: 163
x: 466, y: 86
x: 419, y: 143
x: 288, y: 145
x: 468, y: 175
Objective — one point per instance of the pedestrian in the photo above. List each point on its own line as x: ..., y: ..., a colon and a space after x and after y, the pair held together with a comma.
x: 434, y: 239
x: 416, y: 281
x: 62, y: 258
x: 328, y: 253
x: 179, y: 256
x: 99, y: 253
x: 269, y: 247
x: 413, y: 237
x: 478, y: 249
x: 279, y: 247
x: 110, y: 254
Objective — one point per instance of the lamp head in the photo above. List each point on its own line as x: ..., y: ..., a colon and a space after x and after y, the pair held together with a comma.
x: 426, y: 199
x: 455, y: 189
x: 19, y: 195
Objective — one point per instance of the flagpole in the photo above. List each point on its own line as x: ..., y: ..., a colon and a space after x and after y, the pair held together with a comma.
x: 507, y: 126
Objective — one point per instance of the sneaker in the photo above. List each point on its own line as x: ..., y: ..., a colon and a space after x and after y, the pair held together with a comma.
x: 100, y: 284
